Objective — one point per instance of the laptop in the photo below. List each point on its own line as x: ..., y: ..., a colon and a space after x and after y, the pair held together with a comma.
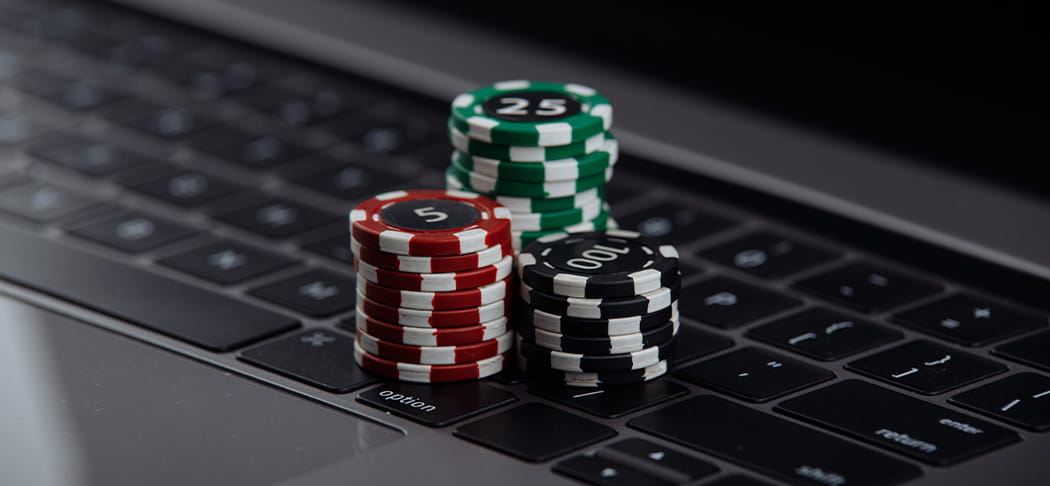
x: 862, y: 227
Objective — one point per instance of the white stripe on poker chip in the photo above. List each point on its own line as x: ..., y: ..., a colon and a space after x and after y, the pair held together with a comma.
x: 594, y: 143
x: 472, y: 240
x: 605, y: 112
x: 580, y: 90
x: 668, y: 251
x: 591, y: 308
x: 554, y: 134
x: 512, y: 85
x: 394, y: 241
x: 615, y: 326
x: 527, y: 154
x: 480, y: 127
x: 566, y: 283
x: 463, y: 100
x: 571, y: 361
x: 533, y: 221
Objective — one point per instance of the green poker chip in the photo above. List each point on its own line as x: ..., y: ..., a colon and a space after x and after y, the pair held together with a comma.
x: 553, y: 189
x: 520, y: 153
x: 531, y: 113
x: 520, y: 239
x: 534, y: 205
x: 557, y: 219
x: 554, y: 170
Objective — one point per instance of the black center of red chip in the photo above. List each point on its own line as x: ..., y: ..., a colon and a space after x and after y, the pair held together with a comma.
x: 597, y: 255
x: 531, y: 106
x: 430, y: 214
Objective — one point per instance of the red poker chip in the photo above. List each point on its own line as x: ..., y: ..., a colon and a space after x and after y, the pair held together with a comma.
x: 459, y: 299
x: 422, y: 373
x: 430, y: 223
x: 431, y: 336
x: 433, y: 318
x: 435, y: 355
x: 436, y: 282
x: 430, y: 264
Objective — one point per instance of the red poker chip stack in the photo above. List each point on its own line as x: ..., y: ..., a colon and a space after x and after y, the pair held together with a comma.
x: 434, y: 285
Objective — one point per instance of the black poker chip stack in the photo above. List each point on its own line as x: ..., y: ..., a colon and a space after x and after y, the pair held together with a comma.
x: 597, y: 308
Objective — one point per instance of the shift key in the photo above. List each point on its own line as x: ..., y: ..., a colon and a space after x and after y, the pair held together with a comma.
x: 772, y: 445
x: 922, y: 430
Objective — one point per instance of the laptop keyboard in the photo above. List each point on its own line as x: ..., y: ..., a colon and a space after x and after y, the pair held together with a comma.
x: 197, y: 188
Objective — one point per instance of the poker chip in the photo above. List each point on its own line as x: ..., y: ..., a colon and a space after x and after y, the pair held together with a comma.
x: 533, y: 113
x: 424, y: 373
x: 595, y: 379
x: 542, y: 358
x: 520, y: 239
x: 433, y: 318
x: 624, y: 343
x: 489, y: 185
x: 555, y: 221
x: 574, y: 326
x: 565, y: 169
x: 535, y: 205
x: 437, y: 282
x: 458, y: 299
x: 430, y: 223
x: 606, y: 308
x: 435, y: 355
x: 523, y: 153
x: 430, y: 336
x: 430, y: 264
x: 612, y: 263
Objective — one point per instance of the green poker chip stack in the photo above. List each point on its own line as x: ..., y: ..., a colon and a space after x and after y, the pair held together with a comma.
x: 542, y: 149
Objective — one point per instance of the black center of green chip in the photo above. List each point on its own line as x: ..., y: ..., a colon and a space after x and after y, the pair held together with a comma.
x: 598, y: 255
x: 531, y: 106
x: 430, y: 214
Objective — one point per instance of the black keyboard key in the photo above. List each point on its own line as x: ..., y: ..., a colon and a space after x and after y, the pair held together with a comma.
x: 737, y: 480
x: 610, y: 402
x: 186, y: 188
x: 216, y: 72
x: 1031, y: 350
x: 674, y: 223
x: 93, y: 158
x: 917, y: 429
x: 350, y: 182
x: 969, y: 320
x: 657, y: 461
x: 772, y: 445
x: 754, y: 374
x: 72, y: 93
x: 315, y: 293
x: 824, y: 334
x: 253, y: 150
x: 165, y: 121
x: 867, y: 287
x: 768, y: 255
x: 185, y: 312
x: 395, y: 131
x: 334, y: 247
x: 693, y: 342
x: 227, y: 262
x: 926, y: 367
x: 600, y: 471
x: 133, y: 232
x: 18, y: 127
x: 317, y: 357
x: 727, y: 303
x: 1022, y: 399
x: 277, y: 218
x: 436, y: 405
x: 300, y: 108
x: 43, y: 203
x: 534, y: 432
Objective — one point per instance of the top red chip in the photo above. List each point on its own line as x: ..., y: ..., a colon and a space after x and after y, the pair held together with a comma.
x: 430, y: 222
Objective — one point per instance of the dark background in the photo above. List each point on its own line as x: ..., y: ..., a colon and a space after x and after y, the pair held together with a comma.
x: 958, y: 85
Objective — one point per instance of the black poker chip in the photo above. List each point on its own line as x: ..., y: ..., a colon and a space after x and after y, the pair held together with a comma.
x: 607, y: 345
x: 540, y: 357
x: 597, y: 264
x: 580, y: 327
x: 594, y: 379
x: 635, y: 305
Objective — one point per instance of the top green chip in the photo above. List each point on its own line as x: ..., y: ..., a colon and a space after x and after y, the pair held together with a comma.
x: 531, y: 113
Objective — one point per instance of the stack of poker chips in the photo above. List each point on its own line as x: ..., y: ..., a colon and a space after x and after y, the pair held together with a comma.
x: 542, y: 149
x: 434, y: 285
x: 599, y: 308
